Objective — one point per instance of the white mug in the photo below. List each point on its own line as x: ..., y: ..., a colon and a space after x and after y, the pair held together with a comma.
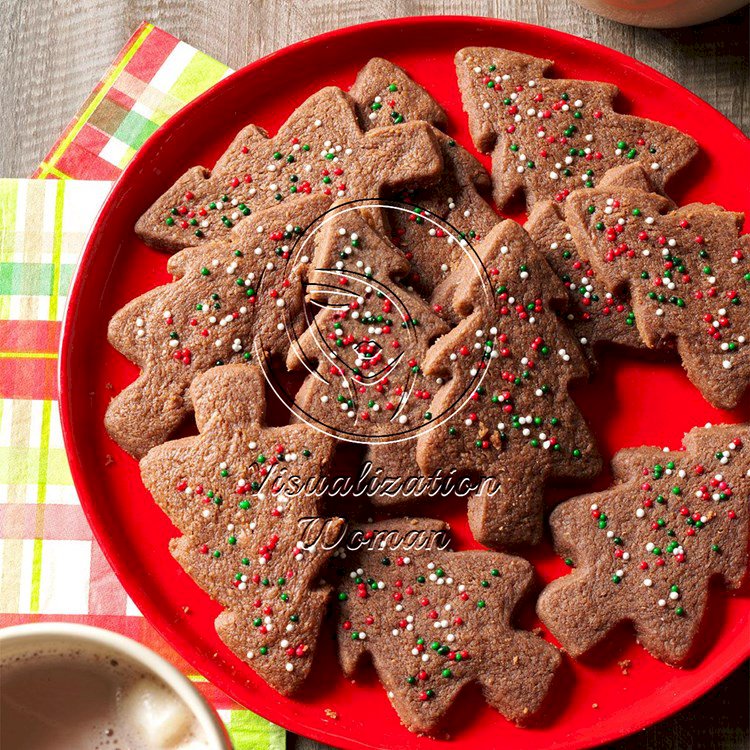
x: 662, y: 13
x: 27, y: 639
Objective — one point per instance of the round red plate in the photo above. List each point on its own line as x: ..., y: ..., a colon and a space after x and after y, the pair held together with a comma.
x: 630, y: 402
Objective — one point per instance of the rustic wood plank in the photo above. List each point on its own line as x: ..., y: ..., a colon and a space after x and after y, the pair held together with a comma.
x: 54, y: 51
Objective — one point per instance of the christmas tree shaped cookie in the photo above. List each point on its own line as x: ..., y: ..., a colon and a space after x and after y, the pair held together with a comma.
x: 462, y: 216
x: 518, y: 425
x: 595, y: 314
x: 229, y: 299
x: 688, y: 275
x: 320, y: 149
x: 434, y: 621
x: 369, y: 339
x: 446, y: 215
x: 644, y: 550
x: 242, y: 540
x: 551, y: 136
x: 384, y: 95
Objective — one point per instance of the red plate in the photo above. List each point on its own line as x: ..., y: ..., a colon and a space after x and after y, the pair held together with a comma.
x: 625, y: 402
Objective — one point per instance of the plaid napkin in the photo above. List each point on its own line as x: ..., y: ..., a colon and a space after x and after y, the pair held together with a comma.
x: 153, y: 77
x: 51, y: 568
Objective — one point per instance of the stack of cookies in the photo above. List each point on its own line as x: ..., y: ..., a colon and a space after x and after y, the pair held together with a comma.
x: 358, y: 247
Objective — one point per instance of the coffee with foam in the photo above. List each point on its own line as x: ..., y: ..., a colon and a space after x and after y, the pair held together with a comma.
x: 70, y: 698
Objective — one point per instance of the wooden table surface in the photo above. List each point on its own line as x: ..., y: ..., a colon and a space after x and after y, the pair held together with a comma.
x: 54, y: 51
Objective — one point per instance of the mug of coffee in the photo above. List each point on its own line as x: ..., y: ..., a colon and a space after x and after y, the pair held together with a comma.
x: 74, y: 686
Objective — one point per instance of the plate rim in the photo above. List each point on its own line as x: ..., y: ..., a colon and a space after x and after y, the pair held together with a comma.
x: 150, y: 609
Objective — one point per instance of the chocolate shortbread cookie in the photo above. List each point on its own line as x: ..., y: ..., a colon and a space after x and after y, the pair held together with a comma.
x: 368, y: 340
x: 463, y: 216
x: 446, y: 215
x: 385, y: 95
x: 687, y: 273
x: 434, y: 621
x: 242, y: 537
x: 595, y: 314
x: 230, y: 297
x: 320, y: 149
x: 644, y: 550
x: 518, y: 425
x: 551, y: 136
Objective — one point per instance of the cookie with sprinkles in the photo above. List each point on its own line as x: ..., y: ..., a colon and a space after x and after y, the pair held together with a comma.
x: 519, y: 425
x: 241, y: 535
x: 230, y: 298
x: 444, y: 219
x: 434, y: 621
x: 687, y: 274
x: 595, y: 314
x: 368, y: 339
x: 446, y: 215
x: 386, y: 95
x: 320, y: 149
x: 551, y: 136
x: 644, y: 550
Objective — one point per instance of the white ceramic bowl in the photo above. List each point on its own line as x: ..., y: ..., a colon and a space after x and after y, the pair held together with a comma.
x: 662, y: 13
x: 20, y: 639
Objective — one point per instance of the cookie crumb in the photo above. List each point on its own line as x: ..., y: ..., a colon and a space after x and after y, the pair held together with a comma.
x: 594, y: 705
x: 624, y: 666
x: 331, y: 714
x: 108, y: 460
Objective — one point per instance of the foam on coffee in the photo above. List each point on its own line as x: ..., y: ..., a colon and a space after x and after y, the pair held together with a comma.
x: 75, y: 698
